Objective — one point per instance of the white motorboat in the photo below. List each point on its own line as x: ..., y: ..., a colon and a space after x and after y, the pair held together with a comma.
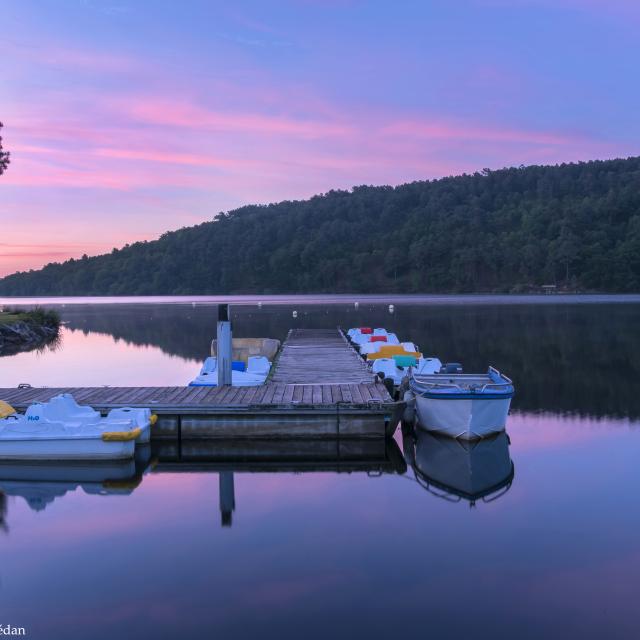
x: 426, y: 366
x: 459, y: 405
x: 256, y: 372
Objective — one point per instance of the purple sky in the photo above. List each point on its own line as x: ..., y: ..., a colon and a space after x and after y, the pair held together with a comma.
x: 126, y: 119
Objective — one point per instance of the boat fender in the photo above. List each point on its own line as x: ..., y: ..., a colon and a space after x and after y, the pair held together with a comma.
x: 6, y: 409
x: 409, y: 413
x: 121, y: 436
x: 153, y: 419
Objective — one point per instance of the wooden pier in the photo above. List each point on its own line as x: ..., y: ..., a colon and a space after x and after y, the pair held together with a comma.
x: 319, y: 387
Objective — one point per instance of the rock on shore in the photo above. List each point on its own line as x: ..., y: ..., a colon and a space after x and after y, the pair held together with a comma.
x: 23, y: 336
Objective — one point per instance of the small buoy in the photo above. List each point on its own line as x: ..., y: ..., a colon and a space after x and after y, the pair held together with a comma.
x: 295, y: 314
x: 356, y: 304
x: 391, y: 308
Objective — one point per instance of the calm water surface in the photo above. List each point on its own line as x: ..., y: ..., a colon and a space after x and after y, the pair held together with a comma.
x: 325, y: 541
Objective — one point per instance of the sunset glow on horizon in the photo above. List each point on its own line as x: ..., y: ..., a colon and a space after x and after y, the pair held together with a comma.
x: 128, y: 119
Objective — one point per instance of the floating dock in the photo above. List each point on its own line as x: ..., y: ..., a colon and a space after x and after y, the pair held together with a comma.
x: 319, y: 387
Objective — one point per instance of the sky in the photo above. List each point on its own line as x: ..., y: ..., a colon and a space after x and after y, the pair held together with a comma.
x: 126, y: 119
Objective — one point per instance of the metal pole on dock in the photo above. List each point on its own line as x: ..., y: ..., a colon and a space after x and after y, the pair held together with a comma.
x: 225, y: 346
x: 227, y: 497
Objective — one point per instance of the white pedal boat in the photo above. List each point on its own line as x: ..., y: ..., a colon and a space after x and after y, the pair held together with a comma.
x: 362, y: 339
x: 258, y: 368
x: 390, y: 369
x: 66, y: 410
x: 44, y: 440
x: 459, y: 405
x: 369, y: 348
x: 63, y: 430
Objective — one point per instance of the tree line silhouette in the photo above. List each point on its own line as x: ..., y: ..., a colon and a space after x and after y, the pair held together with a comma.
x: 576, y: 226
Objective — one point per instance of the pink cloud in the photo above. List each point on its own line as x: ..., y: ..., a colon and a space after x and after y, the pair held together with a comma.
x: 85, y: 175
x: 156, y: 155
x: 14, y: 256
x: 186, y: 114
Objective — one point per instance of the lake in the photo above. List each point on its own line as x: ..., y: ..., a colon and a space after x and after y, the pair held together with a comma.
x: 376, y: 541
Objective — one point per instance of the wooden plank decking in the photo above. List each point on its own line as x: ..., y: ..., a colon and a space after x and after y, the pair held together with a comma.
x: 317, y: 374
x: 315, y: 356
x: 212, y: 400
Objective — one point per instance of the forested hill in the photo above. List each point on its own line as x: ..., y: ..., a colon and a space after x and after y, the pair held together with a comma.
x: 574, y: 225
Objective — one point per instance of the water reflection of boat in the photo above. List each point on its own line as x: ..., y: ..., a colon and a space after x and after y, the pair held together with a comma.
x: 457, y: 469
x: 40, y: 483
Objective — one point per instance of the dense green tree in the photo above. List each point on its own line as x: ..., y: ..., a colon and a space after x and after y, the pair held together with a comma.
x: 512, y: 230
x: 4, y: 156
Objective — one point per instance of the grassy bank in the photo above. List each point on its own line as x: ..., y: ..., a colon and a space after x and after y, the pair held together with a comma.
x: 35, y: 317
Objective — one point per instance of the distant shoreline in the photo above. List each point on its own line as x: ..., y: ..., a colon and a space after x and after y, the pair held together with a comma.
x: 341, y: 298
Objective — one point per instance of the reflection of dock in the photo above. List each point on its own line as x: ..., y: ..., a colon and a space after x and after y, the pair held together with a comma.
x: 227, y: 457
x: 272, y: 456
x: 40, y: 484
x: 319, y: 388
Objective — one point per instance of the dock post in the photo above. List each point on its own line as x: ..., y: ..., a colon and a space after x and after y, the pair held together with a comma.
x: 225, y: 346
x: 227, y: 497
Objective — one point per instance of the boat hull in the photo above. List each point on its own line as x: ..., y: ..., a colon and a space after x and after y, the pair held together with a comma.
x: 465, y: 418
x: 66, y: 449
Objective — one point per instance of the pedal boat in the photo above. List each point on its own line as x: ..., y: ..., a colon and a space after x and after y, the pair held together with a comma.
x: 373, y: 345
x: 22, y: 439
x: 63, y: 430
x: 399, y: 367
x: 253, y: 374
x: 361, y: 337
x: 466, y: 406
x: 65, y: 410
x: 391, y: 350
